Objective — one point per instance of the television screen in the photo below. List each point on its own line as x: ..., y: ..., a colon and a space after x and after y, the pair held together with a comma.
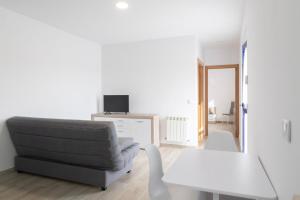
x: 116, y: 103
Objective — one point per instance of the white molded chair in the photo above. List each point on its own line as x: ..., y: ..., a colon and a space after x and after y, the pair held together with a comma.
x: 158, y: 190
x: 221, y: 141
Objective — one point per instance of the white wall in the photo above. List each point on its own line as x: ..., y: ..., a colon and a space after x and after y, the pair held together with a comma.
x: 200, y: 49
x: 221, y: 54
x: 159, y: 75
x: 44, y: 72
x: 221, y: 89
x: 273, y: 31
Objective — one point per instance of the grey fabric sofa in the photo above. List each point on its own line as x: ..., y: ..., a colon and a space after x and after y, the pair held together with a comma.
x: 82, y: 151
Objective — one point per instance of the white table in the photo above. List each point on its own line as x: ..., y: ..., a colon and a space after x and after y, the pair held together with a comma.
x: 220, y: 172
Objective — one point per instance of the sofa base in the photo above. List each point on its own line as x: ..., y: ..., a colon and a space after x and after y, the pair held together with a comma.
x: 73, y: 173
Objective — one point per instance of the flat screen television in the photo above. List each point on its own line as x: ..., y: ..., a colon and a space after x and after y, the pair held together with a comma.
x: 116, y: 103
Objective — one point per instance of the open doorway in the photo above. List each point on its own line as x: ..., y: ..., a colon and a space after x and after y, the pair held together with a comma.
x: 222, y: 99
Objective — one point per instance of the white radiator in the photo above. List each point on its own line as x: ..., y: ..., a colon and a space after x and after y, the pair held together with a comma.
x: 177, y: 129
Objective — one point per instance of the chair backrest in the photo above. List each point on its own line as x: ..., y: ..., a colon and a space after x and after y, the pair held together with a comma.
x: 221, y: 141
x: 212, y: 110
x: 157, y: 189
x: 86, y: 143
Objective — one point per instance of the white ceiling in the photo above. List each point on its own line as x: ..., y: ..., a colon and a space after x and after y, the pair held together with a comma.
x: 214, y: 21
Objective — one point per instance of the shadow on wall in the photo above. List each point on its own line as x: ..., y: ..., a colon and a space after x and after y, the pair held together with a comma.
x: 7, y: 151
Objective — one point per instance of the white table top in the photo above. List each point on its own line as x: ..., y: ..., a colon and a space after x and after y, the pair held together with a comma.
x: 220, y: 172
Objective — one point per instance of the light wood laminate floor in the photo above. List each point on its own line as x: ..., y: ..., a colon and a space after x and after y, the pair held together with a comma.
x: 221, y: 126
x: 133, y: 186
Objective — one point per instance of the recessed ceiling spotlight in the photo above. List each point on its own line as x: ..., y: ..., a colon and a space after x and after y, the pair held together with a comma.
x: 122, y: 5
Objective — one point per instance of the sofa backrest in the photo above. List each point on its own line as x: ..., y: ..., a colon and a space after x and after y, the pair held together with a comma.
x: 85, y: 143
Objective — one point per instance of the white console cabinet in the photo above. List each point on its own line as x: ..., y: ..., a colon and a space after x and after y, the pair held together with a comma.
x: 144, y: 129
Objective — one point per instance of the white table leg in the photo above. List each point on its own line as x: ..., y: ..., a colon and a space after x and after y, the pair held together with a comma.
x: 216, y: 196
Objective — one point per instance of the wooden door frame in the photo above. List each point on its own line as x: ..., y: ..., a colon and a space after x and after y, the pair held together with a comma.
x: 237, y: 94
x: 201, y: 125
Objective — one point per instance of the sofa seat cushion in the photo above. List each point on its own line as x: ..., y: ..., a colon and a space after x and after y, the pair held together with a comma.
x: 125, y: 142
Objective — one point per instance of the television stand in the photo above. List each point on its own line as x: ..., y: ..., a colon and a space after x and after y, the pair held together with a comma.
x: 143, y: 128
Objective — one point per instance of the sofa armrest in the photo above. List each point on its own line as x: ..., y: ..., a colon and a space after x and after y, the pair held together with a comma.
x: 125, y: 142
